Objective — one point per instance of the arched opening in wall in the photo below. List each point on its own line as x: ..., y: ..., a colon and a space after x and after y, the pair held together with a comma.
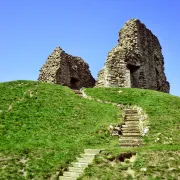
x: 73, y: 83
x: 134, y: 76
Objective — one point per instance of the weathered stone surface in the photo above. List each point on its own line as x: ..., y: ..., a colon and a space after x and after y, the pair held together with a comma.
x: 62, y: 68
x: 136, y: 61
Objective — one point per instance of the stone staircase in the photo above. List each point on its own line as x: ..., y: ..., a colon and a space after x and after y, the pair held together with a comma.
x: 82, y: 163
x: 78, y: 92
x: 130, y: 138
x: 131, y: 135
x: 130, y: 129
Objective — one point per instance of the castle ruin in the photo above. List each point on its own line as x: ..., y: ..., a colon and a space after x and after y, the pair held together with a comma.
x: 136, y: 61
x: 64, y: 69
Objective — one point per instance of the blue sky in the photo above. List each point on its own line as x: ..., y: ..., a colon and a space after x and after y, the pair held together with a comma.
x: 31, y: 29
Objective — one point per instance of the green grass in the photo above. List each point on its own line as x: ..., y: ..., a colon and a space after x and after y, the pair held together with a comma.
x: 147, y: 165
x: 44, y: 127
x: 159, y: 158
x: 163, y: 112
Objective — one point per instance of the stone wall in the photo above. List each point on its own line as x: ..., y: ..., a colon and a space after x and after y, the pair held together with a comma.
x: 136, y: 61
x: 62, y: 68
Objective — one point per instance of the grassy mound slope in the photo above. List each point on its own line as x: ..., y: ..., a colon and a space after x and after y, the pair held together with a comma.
x: 160, y: 157
x: 43, y: 127
x: 163, y: 111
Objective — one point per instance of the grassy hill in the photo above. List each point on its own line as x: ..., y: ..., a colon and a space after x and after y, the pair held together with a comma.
x: 44, y: 127
x: 159, y: 158
x: 163, y: 111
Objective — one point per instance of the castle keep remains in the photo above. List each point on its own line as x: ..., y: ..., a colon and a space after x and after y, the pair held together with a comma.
x: 62, y: 68
x: 136, y: 61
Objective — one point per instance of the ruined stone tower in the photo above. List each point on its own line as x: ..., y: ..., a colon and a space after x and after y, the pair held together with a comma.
x: 64, y: 69
x: 136, y: 61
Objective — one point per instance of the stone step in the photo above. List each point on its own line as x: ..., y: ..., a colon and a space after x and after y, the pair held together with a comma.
x: 130, y: 131
x: 76, y: 169
x: 92, y: 151
x: 77, y: 92
x: 87, y: 155
x: 71, y: 174
x: 132, y: 115
x: 129, y: 137
x: 85, y: 160
x: 130, y: 126
x: 131, y: 134
x: 77, y: 164
x: 127, y: 140
x: 67, y: 178
x: 131, y: 118
x: 130, y: 111
x: 130, y: 144
x: 133, y: 123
